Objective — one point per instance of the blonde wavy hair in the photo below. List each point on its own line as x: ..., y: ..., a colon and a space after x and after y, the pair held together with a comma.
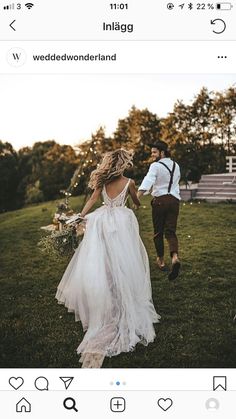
x: 112, y: 166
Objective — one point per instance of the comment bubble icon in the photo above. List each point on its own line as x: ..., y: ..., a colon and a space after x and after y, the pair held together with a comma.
x: 41, y: 383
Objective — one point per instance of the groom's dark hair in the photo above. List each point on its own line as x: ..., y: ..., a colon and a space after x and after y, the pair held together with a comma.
x: 162, y: 146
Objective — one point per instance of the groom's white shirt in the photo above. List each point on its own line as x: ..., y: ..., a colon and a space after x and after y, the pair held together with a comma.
x: 158, y: 178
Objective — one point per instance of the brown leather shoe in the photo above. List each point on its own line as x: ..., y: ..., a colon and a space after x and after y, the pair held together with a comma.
x: 174, y: 271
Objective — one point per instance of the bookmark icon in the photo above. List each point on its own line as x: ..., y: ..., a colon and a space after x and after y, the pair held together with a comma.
x: 219, y: 383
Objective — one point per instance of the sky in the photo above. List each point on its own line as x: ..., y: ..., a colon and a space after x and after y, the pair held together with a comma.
x: 68, y: 109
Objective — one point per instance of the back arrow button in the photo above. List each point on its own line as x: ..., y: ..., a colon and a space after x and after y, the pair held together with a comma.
x: 11, y: 25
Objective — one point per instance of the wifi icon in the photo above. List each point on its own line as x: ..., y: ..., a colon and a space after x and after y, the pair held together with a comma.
x: 29, y: 5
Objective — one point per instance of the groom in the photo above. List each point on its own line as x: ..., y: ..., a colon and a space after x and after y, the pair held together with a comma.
x: 163, y: 177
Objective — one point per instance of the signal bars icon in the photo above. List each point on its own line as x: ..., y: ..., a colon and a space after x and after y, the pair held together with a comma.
x: 9, y: 7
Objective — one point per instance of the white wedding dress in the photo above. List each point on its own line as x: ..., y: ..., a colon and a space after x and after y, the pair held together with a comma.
x: 107, y: 284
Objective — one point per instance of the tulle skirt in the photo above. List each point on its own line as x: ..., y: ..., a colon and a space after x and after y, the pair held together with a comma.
x: 107, y: 286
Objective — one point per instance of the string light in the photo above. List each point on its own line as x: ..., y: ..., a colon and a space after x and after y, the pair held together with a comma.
x: 87, y: 159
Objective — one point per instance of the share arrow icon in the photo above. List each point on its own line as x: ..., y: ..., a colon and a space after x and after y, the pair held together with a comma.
x: 67, y: 381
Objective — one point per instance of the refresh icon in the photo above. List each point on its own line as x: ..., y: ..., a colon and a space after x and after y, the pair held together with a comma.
x: 221, y: 23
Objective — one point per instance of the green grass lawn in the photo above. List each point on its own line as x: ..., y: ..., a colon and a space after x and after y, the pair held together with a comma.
x: 197, y: 327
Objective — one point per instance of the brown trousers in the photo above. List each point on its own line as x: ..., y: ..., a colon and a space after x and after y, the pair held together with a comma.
x: 165, y: 211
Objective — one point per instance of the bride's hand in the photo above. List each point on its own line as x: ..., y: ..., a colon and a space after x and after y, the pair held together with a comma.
x: 136, y: 207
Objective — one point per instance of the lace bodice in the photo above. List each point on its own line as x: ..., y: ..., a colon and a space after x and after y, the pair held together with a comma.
x: 119, y: 200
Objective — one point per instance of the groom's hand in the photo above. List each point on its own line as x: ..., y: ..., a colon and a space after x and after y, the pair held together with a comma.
x: 140, y: 193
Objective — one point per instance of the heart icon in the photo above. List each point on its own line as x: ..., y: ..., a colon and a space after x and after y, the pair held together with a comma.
x: 16, y: 382
x: 165, y: 404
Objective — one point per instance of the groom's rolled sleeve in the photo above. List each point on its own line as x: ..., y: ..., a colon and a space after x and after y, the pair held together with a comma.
x: 149, y: 179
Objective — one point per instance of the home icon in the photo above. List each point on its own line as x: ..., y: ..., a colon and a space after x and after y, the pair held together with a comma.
x: 23, y: 406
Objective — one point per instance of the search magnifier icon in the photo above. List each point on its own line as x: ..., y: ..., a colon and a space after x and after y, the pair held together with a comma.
x: 70, y: 404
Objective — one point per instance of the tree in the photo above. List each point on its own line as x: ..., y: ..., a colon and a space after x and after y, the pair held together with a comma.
x: 200, y: 133
x: 138, y: 131
x: 25, y: 172
x: 89, y: 154
x: 8, y: 177
x: 57, y: 168
x: 47, y: 167
x: 224, y: 121
x: 34, y: 193
x: 202, y: 117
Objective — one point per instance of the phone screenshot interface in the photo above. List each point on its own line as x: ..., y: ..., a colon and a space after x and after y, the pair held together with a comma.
x: 117, y: 209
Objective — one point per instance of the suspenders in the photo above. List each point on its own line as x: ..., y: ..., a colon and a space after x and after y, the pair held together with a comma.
x: 171, y: 173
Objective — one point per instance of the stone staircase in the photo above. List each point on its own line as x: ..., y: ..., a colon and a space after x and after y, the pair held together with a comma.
x: 217, y: 187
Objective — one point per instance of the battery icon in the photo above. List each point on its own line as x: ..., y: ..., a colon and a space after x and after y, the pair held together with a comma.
x: 224, y: 6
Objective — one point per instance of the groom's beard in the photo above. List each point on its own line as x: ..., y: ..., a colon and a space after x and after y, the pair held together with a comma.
x: 157, y: 159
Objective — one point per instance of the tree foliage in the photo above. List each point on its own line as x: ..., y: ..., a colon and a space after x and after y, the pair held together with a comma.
x: 200, y: 135
x: 8, y: 176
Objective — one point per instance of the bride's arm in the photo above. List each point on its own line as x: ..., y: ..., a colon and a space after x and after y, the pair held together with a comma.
x: 90, y: 203
x: 133, y: 193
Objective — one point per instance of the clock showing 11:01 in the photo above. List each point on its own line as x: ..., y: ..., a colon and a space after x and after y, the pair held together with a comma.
x: 119, y: 6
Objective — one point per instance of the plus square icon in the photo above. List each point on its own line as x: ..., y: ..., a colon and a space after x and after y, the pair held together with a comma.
x: 117, y: 404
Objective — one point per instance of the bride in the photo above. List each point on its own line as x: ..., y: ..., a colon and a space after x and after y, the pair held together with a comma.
x: 107, y: 282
